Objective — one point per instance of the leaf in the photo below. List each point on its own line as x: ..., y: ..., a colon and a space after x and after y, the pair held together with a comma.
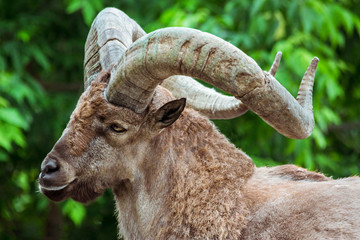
x: 3, y: 156
x: 9, y: 134
x: 2, y: 64
x: 40, y: 58
x: 280, y: 31
x: 331, y: 116
x: 264, y: 162
x: 21, y: 202
x: 306, y: 19
x: 88, y: 12
x: 5, y: 142
x: 22, y: 180
x: 98, y: 5
x: 347, y: 21
x: 259, y: 25
x: 304, y: 157
x: 333, y: 89
x: 357, y: 24
x: 12, y: 116
x: 24, y: 36
x: 292, y: 9
x: 319, y: 138
x: 256, y: 6
x: 75, y: 211
x: 15, y: 57
x: 3, y: 103
x: 74, y: 6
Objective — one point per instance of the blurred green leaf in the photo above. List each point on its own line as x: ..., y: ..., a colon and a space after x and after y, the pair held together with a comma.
x: 12, y: 116
x: 319, y: 138
x: 280, y: 31
x: 24, y: 36
x: 256, y: 6
x: 22, y: 181
x: 76, y: 211
x: 21, y: 202
x: 88, y: 12
x: 40, y: 58
x: 264, y: 162
x: 74, y: 5
x: 3, y: 155
x: 307, y: 18
x: 3, y: 103
x: 88, y: 7
x: 9, y: 134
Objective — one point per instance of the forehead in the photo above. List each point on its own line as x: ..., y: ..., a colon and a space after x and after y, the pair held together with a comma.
x: 92, y: 104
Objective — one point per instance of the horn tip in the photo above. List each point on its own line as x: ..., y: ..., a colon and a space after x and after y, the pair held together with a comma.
x: 276, y: 63
x: 315, y: 60
x: 312, y: 67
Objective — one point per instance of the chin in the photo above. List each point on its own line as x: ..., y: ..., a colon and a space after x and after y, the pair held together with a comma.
x: 77, y: 191
x: 56, y: 195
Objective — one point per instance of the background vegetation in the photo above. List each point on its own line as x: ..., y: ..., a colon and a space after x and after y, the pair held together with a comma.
x: 41, y: 54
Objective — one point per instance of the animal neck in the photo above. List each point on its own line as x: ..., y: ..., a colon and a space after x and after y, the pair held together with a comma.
x: 184, y: 187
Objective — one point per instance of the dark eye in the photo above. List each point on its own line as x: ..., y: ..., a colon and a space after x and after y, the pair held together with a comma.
x: 117, y: 128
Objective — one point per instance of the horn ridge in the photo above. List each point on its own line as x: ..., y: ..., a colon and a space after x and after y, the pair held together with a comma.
x: 212, y: 60
x: 111, y: 33
x: 304, y: 96
x: 276, y: 64
x: 205, y: 100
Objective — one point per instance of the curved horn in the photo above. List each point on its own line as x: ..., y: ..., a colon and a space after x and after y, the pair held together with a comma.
x: 276, y: 63
x: 182, y: 51
x: 111, y: 33
x: 304, y: 96
x: 205, y: 100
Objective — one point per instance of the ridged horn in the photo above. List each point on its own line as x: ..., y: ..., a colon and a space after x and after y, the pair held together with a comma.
x: 276, y: 64
x: 112, y: 32
x: 304, y: 96
x: 205, y: 100
x: 182, y: 51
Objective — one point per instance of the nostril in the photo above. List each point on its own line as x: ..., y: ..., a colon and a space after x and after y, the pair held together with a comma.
x: 50, y: 167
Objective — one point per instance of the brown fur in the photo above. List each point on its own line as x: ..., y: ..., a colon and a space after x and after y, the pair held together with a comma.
x: 316, y: 208
x: 187, y: 181
x: 296, y: 173
x: 205, y: 200
x: 89, y: 103
x: 92, y: 105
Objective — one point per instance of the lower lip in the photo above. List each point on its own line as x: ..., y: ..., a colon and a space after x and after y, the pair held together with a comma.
x: 56, y: 188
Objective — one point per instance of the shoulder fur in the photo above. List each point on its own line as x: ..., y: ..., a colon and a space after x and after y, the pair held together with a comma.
x: 205, y: 200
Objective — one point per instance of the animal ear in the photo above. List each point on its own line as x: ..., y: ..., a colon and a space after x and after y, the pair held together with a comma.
x: 169, y: 113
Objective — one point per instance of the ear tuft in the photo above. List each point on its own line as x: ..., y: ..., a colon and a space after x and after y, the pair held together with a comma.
x: 169, y: 113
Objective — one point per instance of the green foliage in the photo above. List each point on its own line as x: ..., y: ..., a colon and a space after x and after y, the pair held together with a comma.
x: 88, y: 8
x: 75, y: 211
x: 41, y: 54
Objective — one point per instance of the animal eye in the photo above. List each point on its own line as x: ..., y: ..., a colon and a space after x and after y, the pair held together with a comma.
x: 117, y: 128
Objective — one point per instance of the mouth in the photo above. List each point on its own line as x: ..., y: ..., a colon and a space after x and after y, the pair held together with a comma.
x: 57, y: 193
x: 52, y: 188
